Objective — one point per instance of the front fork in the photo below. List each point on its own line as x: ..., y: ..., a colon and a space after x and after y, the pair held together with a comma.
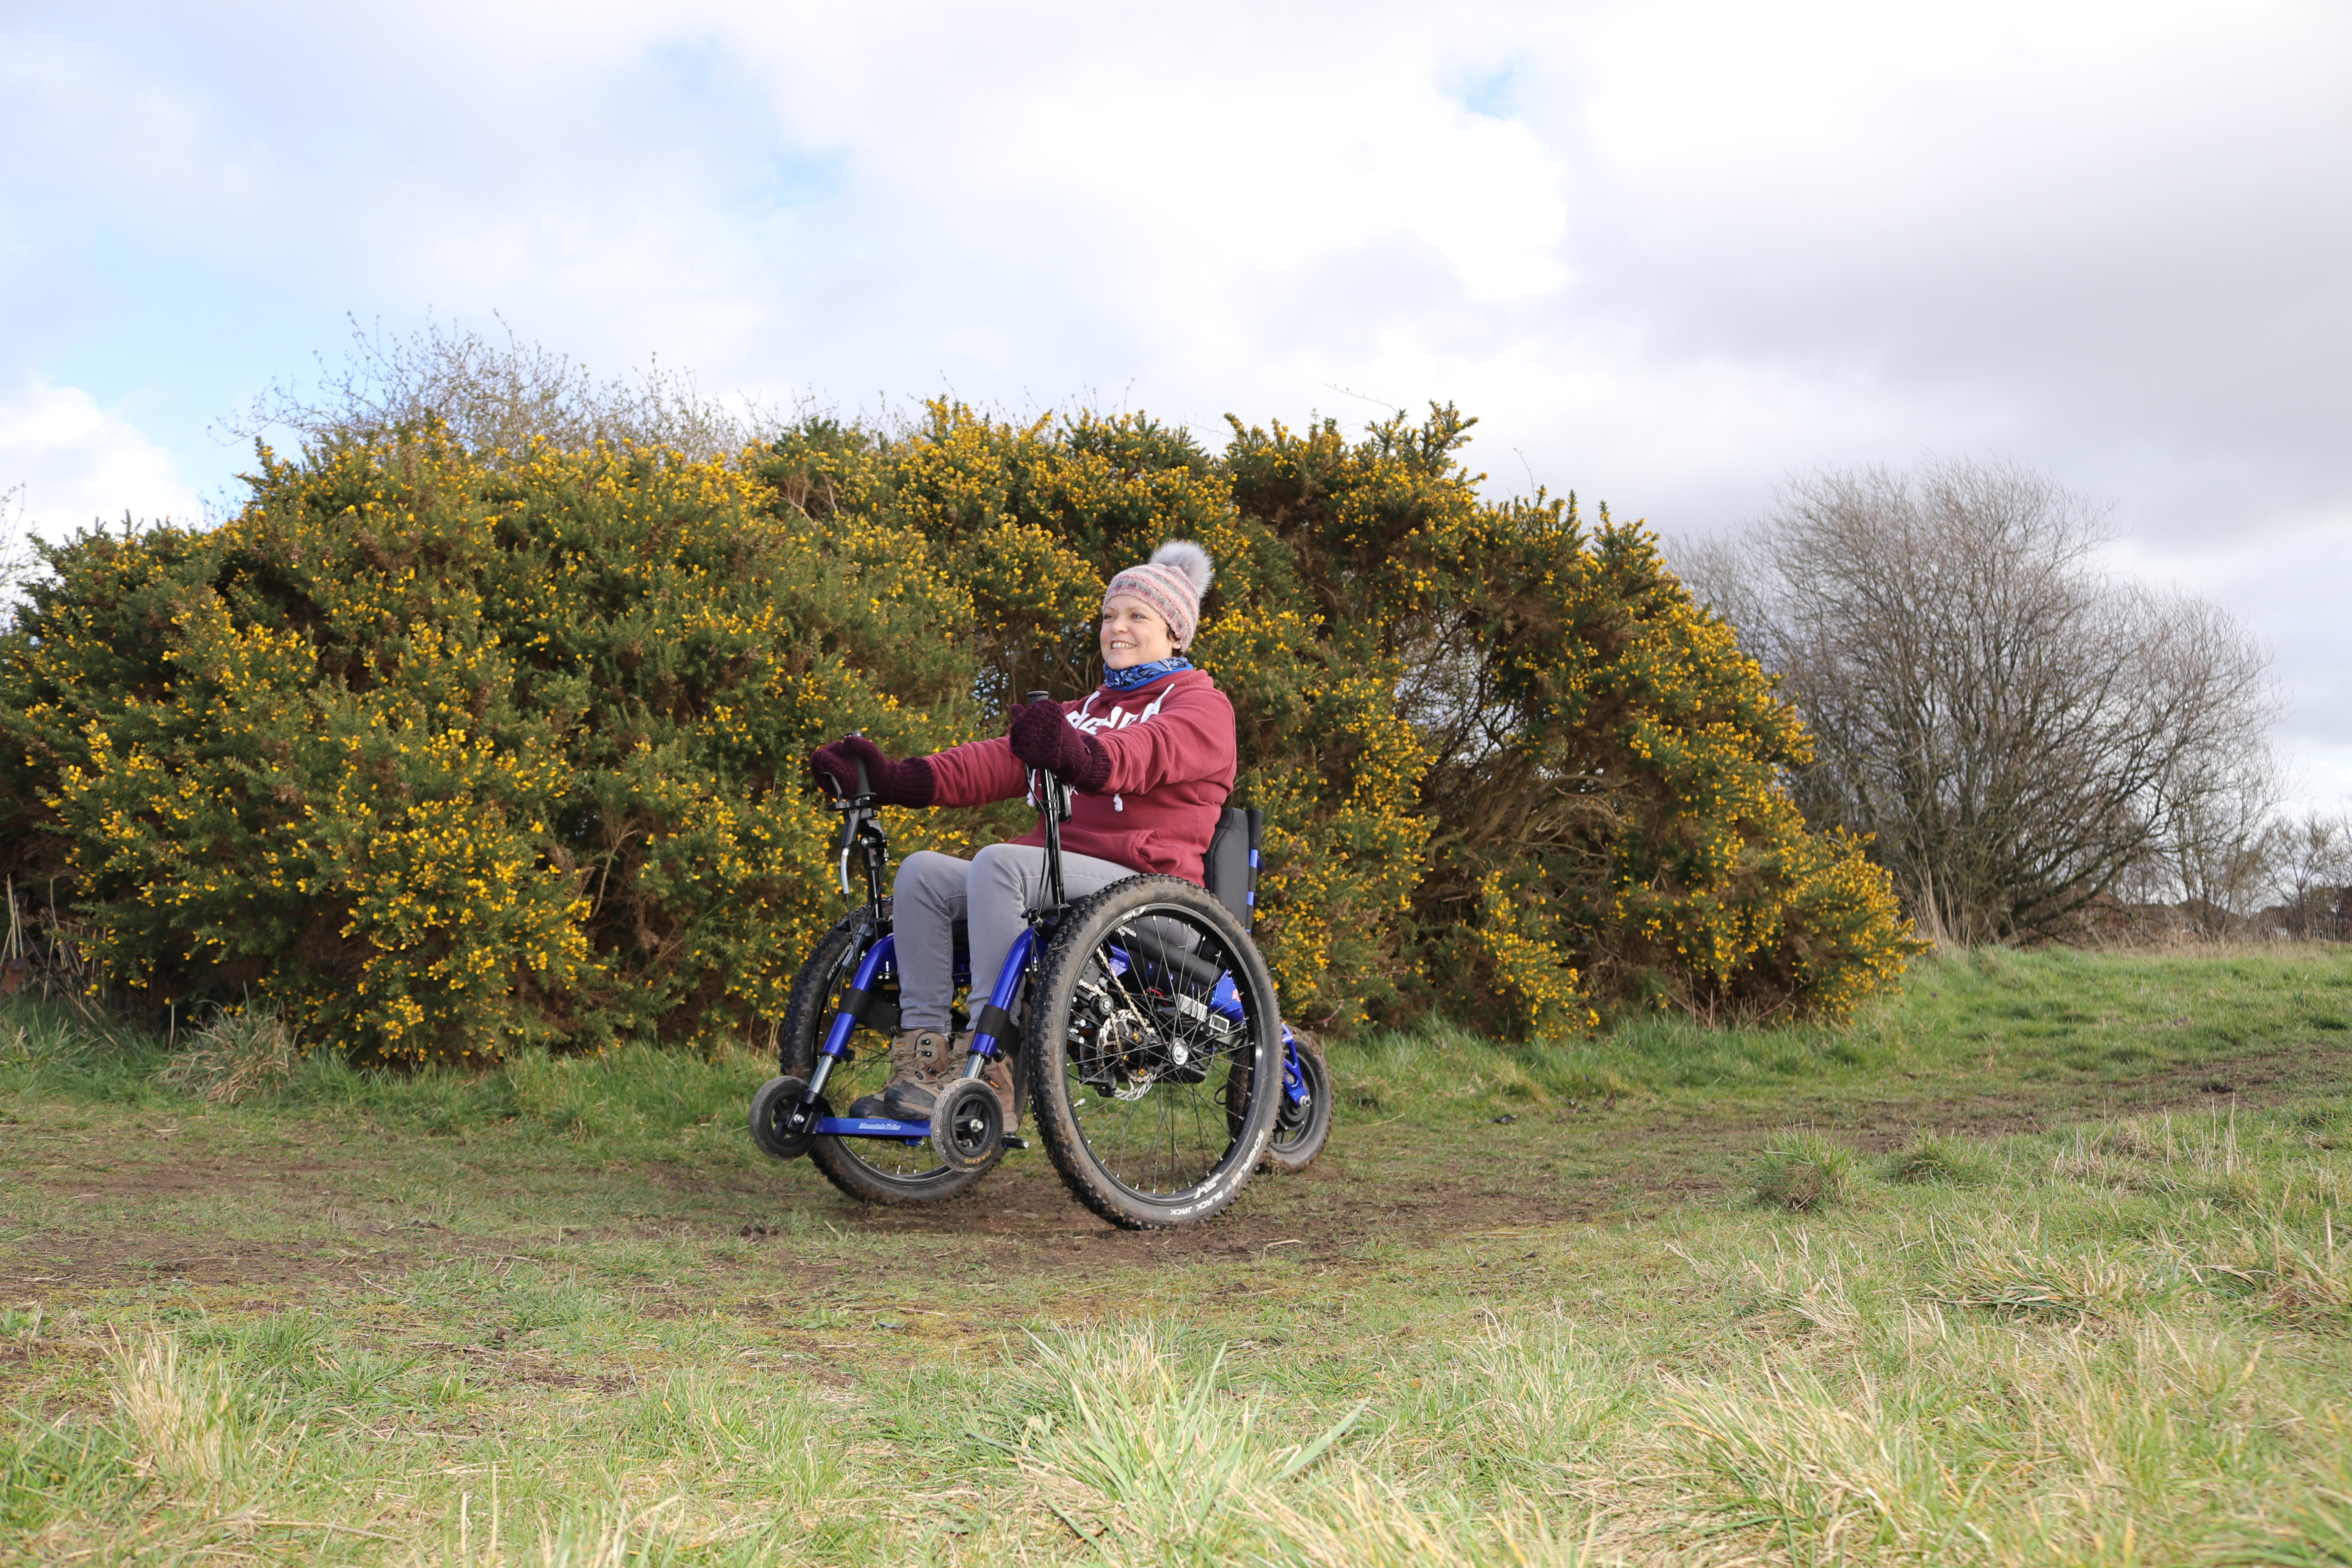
x: 817, y: 1080
x: 992, y: 1022
x: 879, y: 959
x: 1294, y: 1078
x: 991, y: 1025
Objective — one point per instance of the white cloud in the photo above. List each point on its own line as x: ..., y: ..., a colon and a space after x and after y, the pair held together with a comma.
x: 79, y: 463
x: 1669, y: 251
x: 2290, y: 593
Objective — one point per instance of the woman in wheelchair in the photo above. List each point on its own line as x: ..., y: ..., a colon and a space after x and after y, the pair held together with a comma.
x: 1152, y: 756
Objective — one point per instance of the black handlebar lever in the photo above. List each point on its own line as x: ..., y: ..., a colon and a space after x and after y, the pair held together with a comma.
x: 1051, y: 798
x: 860, y: 831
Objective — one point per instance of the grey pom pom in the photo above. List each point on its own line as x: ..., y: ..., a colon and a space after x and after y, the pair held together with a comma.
x: 1188, y: 558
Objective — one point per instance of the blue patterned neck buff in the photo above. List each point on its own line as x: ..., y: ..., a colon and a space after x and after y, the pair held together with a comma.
x: 1136, y: 675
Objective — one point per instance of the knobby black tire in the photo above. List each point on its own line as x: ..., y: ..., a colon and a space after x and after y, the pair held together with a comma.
x: 1215, y: 1127
x: 872, y: 1171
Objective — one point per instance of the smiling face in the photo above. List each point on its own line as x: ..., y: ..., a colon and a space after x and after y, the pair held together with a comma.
x: 1133, y: 633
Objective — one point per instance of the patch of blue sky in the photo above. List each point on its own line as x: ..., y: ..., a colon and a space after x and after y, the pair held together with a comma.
x: 42, y: 287
x: 698, y: 69
x: 179, y: 346
x: 792, y: 179
x: 728, y: 112
x: 1492, y: 93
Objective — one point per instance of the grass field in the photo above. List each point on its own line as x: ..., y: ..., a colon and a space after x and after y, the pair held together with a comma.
x: 2045, y: 1262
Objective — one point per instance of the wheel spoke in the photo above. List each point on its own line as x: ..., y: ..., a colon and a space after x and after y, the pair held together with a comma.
x: 1150, y: 1058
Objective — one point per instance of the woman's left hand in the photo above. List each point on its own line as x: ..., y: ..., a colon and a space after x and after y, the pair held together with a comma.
x: 1043, y: 738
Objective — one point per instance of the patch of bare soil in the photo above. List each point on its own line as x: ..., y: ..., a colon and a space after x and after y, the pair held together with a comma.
x: 1027, y: 1218
x: 2251, y: 1082
x: 1034, y: 1224
x: 69, y: 1262
x: 1636, y: 1156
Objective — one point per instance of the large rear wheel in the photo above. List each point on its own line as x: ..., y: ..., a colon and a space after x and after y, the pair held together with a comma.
x: 871, y: 1170
x: 1152, y: 1018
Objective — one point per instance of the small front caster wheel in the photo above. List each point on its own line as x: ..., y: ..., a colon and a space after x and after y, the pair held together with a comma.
x: 780, y: 1125
x: 967, y: 1124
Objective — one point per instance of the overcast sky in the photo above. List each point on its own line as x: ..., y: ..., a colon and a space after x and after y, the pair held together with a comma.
x: 1668, y: 253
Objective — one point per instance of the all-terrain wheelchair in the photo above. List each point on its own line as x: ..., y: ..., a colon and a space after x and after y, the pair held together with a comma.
x: 1153, y: 1061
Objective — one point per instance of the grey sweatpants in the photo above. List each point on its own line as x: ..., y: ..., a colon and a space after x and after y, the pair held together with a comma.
x: 991, y: 891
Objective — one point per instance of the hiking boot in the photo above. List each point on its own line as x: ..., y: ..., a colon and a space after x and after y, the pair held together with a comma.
x: 913, y: 1101
x: 998, y: 1076
x: 920, y: 1060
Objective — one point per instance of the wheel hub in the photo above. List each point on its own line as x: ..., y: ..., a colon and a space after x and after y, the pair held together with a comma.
x: 1117, y: 1060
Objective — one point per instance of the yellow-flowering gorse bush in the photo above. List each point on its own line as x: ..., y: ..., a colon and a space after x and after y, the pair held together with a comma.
x: 1584, y: 771
x: 442, y: 752
x: 442, y: 757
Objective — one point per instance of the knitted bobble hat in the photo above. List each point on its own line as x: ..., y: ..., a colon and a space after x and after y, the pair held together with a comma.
x: 1171, y: 582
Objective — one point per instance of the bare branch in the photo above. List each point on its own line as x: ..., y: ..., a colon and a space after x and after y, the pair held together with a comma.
x: 2021, y: 731
x: 2311, y: 875
x: 18, y: 559
x: 499, y: 397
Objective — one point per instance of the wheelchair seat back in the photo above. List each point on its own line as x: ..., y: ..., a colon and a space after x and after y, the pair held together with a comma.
x: 1229, y: 871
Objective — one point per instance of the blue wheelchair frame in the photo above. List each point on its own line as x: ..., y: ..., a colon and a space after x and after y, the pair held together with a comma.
x: 992, y: 1022
x: 879, y: 965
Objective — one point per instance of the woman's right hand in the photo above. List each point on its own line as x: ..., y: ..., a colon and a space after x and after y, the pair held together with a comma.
x: 891, y: 784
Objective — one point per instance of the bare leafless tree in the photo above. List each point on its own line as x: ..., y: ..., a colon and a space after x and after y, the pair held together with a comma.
x: 2215, y: 858
x: 2311, y: 872
x: 18, y: 559
x: 2019, y: 727
x: 496, y: 397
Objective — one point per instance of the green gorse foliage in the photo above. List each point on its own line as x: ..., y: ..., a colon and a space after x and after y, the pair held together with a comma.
x: 444, y: 759
x: 443, y: 754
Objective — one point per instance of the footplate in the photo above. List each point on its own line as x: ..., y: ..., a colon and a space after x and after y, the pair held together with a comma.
x: 886, y: 1127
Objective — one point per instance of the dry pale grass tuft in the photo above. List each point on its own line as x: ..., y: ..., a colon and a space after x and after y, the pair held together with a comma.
x: 1930, y: 1158
x: 179, y: 1419
x: 2282, y: 1278
x: 1803, y: 1172
x: 1812, y: 1294
x: 1535, y: 1394
x: 2318, y: 1535
x: 2197, y: 1157
x: 1365, y: 1522
x: 2002, y: 1268
x: 2136, y: 1138
x: 1148, y: 1464
x: 622, y: 1538
x: 1834, y: 1464
x: 1985, y: 1443
x: 235, y: 1057
x: 1144, y: 1458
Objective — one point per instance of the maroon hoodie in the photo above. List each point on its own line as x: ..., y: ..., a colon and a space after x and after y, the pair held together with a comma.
x: 1172, y: 768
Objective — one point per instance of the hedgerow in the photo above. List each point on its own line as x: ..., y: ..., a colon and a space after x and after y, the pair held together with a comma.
x: 444, y: 752
x: 443, y: 757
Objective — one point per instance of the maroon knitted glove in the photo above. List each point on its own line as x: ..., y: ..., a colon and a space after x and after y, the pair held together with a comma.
x: 1043, y: 739
x: 910, y: 783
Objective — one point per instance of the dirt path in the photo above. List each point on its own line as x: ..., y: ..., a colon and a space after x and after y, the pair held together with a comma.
x: 1551, y: 1166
